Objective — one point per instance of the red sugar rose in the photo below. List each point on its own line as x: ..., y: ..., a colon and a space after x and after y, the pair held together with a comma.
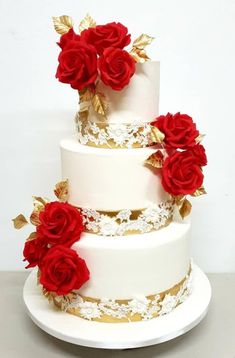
x: 179, y: 129
x: 60, y: 223
x: 116, y: 68
x: 62, y: 270
x: 34, y: 251
x: 181, y: 174
x: 69, y: 38
x: 199, y: 154
x: 77, y: 65
x: 110, y: 35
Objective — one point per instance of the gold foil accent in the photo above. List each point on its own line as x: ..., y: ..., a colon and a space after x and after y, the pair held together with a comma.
x: 62, y: 24
x: 61, y: 190
x: 129, y: 317
x: 86, y: 95
x: 87, y: 22
x: 199, y: 191
x: 19, y: 221
x: 155, y: 160
x: 38, y: 203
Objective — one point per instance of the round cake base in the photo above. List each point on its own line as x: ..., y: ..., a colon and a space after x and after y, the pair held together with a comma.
x: 79, y: 331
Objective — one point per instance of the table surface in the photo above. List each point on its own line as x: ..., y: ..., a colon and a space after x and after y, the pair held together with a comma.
x: 214, y: 337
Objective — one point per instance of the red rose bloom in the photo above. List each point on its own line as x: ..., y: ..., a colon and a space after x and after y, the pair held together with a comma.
x: 116, y: 68
x: 77, y: 65
x: 62, y: 270
x: 181, y: 174
x: 34, y: 251
x: 69, y: 38
x: 60, y: 223
x: 199, y: 154
x: 103, y: 36
x: 179, y: 129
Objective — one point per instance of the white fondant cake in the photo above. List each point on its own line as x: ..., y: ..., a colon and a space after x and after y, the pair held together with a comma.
x: 114, y: 247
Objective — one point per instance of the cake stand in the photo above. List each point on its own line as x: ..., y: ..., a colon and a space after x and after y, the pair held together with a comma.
x: 79, y: 331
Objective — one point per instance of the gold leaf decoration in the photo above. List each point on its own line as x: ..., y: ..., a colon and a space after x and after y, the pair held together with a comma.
x: 199, y: 191
x: 139, y: 55
x: 142, y: 41
x: 32, y: 236
x: 87, y: 22
x: 185, y: 208
x: 86, y: 95
x: 62, y: 24
x: 61, y: 190
x: 38, y: 203
x: 83, y: 116
x: 156, y: 135
x: 19, y: 222
x: 200, y: 138
x: 99, y: 104
x: 155, y: 159
x: 34, y: 217
x: 47, y: 294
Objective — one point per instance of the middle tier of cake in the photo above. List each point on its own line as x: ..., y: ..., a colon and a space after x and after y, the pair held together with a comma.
x: 110, y: 180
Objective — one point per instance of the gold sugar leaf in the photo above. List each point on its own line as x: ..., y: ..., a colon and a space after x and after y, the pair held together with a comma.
x: 185, y: 208
x: 38, y: 277
x: 85, y: 95
x: 19, y: 222
x: 34, y: 217
x: 83, y: 116
x: 142, y: 41
x: 47, y: 294
x: 139, y: 55
x: 39, y: 201
x: 199, y: 191
x: 99, y: 104
x: 200, y: 138
x: 61, y: 190
x: 87, y: 22
x: 32, y: 236
x: 155, y: 159
x: 156, y: 135
x: 62, y: 24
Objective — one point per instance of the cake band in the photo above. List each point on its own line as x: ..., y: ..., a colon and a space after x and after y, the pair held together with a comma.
x: 113, y: 135
x: 127, y: 222
x: 137, y: 309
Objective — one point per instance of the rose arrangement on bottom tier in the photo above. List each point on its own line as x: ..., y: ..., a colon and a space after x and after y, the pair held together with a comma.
x: 58, y: 225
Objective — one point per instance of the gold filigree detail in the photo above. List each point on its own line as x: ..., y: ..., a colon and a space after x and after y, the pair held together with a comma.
x: 156, y: 135
x: 99, y: 104
x: 199, y: 191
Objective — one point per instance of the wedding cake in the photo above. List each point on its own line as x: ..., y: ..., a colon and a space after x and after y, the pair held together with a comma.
x: 114, y: 246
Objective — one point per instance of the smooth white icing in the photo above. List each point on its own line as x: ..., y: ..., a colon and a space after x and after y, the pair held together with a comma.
x: 127, y: 266
x: 110, y: 179
x: 139, y: 101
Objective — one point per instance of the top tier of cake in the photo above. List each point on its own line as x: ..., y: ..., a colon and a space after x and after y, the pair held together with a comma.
x: 137, y: 102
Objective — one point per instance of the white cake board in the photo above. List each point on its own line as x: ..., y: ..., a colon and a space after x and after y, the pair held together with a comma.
x: 79, y: 331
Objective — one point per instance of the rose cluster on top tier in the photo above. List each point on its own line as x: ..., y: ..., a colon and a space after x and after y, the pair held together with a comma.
x: 96, y: 51
x: 182, y: 169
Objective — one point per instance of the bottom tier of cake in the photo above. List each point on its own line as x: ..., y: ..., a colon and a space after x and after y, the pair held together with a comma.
x: 133, y: 277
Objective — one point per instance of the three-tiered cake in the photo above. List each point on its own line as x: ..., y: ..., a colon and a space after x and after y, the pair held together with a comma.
x: 115, y: 247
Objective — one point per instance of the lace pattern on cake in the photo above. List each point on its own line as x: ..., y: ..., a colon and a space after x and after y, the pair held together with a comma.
x: 127, y: 221
x: 134, y: 135
x: 139, y: 308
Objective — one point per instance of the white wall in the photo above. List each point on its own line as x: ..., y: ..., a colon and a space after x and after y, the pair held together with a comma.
x: 195, y: 43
